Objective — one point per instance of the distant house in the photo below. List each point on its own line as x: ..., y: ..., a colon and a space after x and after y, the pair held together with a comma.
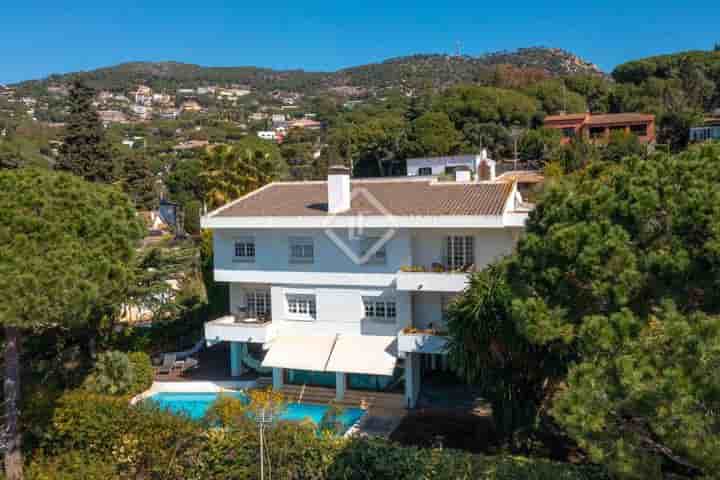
x: 162, y: 98
x: 112, y: 116
x: 258, y: 116
x: 143, y: 95
x: 267, y: 135
x: 141, y: 111
x: 168, y: 113
x: 154, y: 223
x: 435, y: 166
x: 709, y: 130
x: 305, y: 123
x: 597, y: 128
x: 190, y: 106
x: 191, y: 145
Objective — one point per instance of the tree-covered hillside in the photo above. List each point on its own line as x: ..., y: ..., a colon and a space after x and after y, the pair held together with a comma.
x: 404, y: 72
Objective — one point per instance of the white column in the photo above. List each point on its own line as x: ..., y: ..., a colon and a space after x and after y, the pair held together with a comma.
x: 236, y: 368
x: 340, y: 385
x: 278, y: 374
x: 412, y: 379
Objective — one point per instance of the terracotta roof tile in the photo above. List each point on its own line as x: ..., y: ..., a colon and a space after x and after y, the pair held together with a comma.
x: 623, y: 118
x: 369, y: 197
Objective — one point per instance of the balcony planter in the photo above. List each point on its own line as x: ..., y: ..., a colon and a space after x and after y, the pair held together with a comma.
x: 421, y: 342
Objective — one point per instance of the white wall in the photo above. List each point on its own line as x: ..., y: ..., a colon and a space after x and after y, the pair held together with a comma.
x: 438, y: 164
x: 427, y: 308
x: 340, y: 304
x: 272, y: 251
x: 428, y: 245
x: 340, y: 310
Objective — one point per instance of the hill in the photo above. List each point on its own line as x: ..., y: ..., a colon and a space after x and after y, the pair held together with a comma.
x: 403, y: 72
x: 668, y: 66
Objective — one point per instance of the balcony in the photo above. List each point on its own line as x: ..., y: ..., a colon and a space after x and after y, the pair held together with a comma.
x: 240, y: 328
x: 413, y: 340
x: 435, y: 279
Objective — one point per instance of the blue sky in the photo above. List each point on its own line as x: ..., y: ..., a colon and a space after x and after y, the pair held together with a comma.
x: 39, y: 37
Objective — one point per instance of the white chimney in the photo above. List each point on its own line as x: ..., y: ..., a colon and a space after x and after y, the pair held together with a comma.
x: 462, y: 174
x: 338, y: 189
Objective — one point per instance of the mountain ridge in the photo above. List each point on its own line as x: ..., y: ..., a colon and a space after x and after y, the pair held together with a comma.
x: 411, y: 71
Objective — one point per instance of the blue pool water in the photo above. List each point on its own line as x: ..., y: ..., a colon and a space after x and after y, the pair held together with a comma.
x: 196, y: 404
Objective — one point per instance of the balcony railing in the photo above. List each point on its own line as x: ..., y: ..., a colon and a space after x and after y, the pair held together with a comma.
x: 415, y: 340
x: 240, y: 327
x: 436, y: 278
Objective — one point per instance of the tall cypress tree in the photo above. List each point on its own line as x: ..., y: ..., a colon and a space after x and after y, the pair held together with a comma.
x: 85, y: 151
x: 138, y: 180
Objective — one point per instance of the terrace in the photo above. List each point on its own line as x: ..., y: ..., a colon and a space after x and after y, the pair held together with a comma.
x: 436, y: 278
x: 241, y: 327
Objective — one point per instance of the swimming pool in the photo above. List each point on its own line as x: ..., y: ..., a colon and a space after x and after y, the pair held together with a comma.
x: 196, y: 404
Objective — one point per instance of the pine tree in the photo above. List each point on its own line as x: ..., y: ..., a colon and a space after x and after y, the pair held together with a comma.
x: 138, y: 181
x: 85, y: 151
x: 92, y: 232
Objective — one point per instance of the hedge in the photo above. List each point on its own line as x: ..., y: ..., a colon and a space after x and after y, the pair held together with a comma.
x: 144, y: 442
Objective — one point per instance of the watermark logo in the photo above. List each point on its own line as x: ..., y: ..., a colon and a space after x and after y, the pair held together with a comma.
x: 363, y: 241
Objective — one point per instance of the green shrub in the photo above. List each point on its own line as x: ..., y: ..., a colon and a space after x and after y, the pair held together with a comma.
x: 192, y: 216
x: 70, y: 466
x: 113, y: 374
x: 146, y: 442
x: 89, y: 422
x: 227, y: 411
x: 143, y: 372
x: 119, y: 373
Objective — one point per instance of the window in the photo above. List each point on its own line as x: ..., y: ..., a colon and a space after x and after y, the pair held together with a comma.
x: 639, y: 130
x: 460, y: 252
x: 424, y: 171
x: 380, y: 310
x: 379, y: 256
x: 258, y: 303
x: 244, y: 250
x: 597, y: 132
x: 301, y: 250
x: 568, y: 132
x: 301, y: 306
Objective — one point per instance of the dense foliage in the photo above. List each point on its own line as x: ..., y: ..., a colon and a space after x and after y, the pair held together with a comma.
x: 120, y: 441
x: 229, y: 172
x: 85, y: 151
x: 118, y: 373
x: 487, y: 349
x: 92, y: 232
x: 618, y: 276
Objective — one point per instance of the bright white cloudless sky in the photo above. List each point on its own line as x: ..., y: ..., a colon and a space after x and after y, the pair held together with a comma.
x: 39, y: 37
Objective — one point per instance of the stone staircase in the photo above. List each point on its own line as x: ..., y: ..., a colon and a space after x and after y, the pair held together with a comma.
x: 353, y: 398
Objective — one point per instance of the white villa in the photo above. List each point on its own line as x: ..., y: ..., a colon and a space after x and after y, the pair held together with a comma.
x: 344, y: 283
x: 436, y: 166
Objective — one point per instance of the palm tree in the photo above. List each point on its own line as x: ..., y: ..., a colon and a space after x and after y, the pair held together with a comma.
x: 231, y: 172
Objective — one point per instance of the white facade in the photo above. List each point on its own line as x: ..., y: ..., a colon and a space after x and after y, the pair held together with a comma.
x: 306, y: 277
x: 436, y: 166
x: 267, y: 135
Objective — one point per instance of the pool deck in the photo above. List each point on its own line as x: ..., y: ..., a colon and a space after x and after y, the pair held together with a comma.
x: 213, y: 365
x: 194, y: 387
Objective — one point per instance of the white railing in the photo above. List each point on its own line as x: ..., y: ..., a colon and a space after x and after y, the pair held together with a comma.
x: 230, y: 328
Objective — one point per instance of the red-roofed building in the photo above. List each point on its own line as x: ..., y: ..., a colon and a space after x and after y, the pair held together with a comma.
x: 597, y: 128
